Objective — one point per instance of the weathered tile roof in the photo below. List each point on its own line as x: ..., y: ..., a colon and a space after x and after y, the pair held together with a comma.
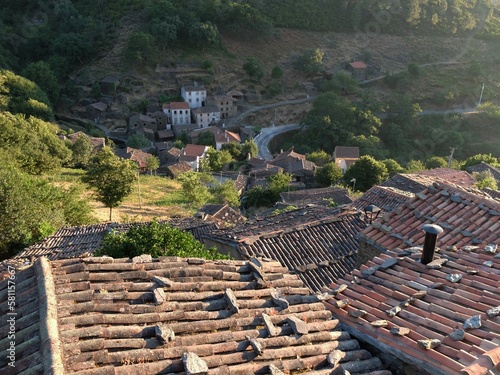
x: 385, y: 198
x: 100, y: 316
x: 454, y: 176
x: 317, y: 242
x: 319, y: 252
x: 468, y: 217
x: 495, y: 194
x: 394, y: 301
x: 343, y: 152
x: 321, y: 196
x: 222, y: 212
x: 285, y: 158
x: 136, y: 155
x: 412, y: 183
x: 194, y: 150
x: 483, y: 167
x: 226, y: 137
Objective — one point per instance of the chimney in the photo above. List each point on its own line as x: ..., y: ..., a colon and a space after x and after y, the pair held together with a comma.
x: 431, y: 233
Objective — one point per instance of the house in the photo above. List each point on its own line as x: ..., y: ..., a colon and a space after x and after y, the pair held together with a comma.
x: 296, y: 164
x: 195, y: 96
x: 178, y: 113
x: 467, y: 216
x: 166, y: 135
x: 99, y: 315
x: 409, y: 182
x: 321, y: 196
x: 193, y: 135
x: 96, y: 110
x: 136, y: 155
x: 358, y: 70
x: 239, y: 180
x: 206, y: 116
x: 226, y: 104
x: 344, y: 157
x: 175, y: 169
x: 442, y: 317
x: 138, y: 123
x: 221, y: 212
x: 97, y: 142
x: 317, y: 243
x: 225, y: 138
x: 236, y: 95
x: 109, y: 85
x: 386, y: 198
x: 454, y: 176
x: 192, y: 154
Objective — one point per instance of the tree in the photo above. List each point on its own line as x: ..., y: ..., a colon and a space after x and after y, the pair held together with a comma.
x: 206, y: 139
x: 139, y: 48
x: 485, y: 180
x: 111, y: 177
x: 42, y: 74
x: 310, y: 62
x: 20, y: 95
x: 436, y: 162
x: 138, y: 141
x: 393, y: 167
x: 253, y: 68
x: 367, y: 172
x: 73, y: 46
x: 478, y: 159
x: 82, y: 151
x: 226, y: 193
x: 215, y: 160
x: 249, y: 147
x: 153, y: 163
x: 257, y: 197
x: 414, y: 166
x: 277, y: 72
x: 32, y: 208
x: 414, y: 70
x: 157, y: 239
x: 327, y: 175
x: 279, y: 183
x: 319, y: 157
x: 195, y: 188
x: 342, y: 82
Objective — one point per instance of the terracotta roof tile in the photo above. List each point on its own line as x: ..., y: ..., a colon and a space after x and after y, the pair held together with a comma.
x: 135, y: 322
x: 320, y: 196
x: 435, y: 314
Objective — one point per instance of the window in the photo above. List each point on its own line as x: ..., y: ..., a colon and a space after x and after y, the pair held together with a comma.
x: 189, y: 100
x: 175, y: 112
x: 197, y: 100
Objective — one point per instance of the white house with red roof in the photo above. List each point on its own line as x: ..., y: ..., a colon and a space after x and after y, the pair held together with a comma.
x: 178, y: 113
x: 226, y: 137
x: 192, y: 154
x: 195, y: 96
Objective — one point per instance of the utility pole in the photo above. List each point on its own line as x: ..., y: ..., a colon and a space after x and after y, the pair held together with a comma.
x: 450, y: 158
x: 481, y: 96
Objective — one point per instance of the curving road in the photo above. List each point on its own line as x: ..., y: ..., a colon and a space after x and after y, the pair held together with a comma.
x: 266, y: 134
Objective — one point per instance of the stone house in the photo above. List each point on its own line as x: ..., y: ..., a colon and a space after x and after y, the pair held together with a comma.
x: 192, y: 155
x: 206, y: 116
x: 227, y: 105
x: 109, y: 85
x: 96, y: 111
x: 358, y: 70
x: 224, y: 138
x: 345, y: 156
x: 138, y: 122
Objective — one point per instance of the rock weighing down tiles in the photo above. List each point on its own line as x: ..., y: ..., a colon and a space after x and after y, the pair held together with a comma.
x: 98, y: 316
x: 441, y: 324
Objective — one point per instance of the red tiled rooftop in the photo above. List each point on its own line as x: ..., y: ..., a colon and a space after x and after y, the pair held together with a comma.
x: 176, y: 105
x: 468, y: 217
x: 344, y: 152
x: 194, y: 150
x: 454, y: 176
x: 358, y: 65
x: 431, y: 308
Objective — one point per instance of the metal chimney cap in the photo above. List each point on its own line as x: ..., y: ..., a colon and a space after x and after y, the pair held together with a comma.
x: 432, y: 229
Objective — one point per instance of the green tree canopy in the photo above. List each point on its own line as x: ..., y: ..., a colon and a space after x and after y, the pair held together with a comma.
x: 32, y: 208
x: 157, y: 239
x: 319, y: 157
x: 414, y: 166
x: 20, y: 95
x: 42, y: 74
x: 82, y: 151
x: 206, y: 139
x: 226, y: 193
x: 111, y: 178
x: 393, y: 167
x: 33, y: 143
x: 194, y: 186
x: 310, y: 62
x: 367, y: 172
x: 328, y: 175
x: 215, y: 160
x: 153, y: 163
x: 485, y: 180
x: 253, y: 67
x: 478, y: 159
x: 436, y: 162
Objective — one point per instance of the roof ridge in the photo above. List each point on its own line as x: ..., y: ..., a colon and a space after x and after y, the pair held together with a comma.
x: 49, y: 334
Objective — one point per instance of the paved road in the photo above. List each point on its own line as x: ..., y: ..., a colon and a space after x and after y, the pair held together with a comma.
x: 266, y: 134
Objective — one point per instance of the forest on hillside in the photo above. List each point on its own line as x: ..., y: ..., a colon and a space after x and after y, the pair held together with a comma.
x: 67, y: 34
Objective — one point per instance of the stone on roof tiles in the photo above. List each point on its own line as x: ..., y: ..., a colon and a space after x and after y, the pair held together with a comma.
x: 339, y: 289
x: 454, y: 277
x: 429, y: 343
x: 299, y: 327
x: 194, y: 365
x: 278, y: 299
x: 271, y: 329
x: 341, y: 304
x: 275, y: 370
x: 400, y: 331
x: 437, y: 264
x: 473, y: 322
x: 457, y: 335
x: 164, y: 333
x: 358, y: 313
x: 379, y: 323
x: 393, y: 311
x: 492, y: 248
x: 493, y: 312
x: 231, y: 301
